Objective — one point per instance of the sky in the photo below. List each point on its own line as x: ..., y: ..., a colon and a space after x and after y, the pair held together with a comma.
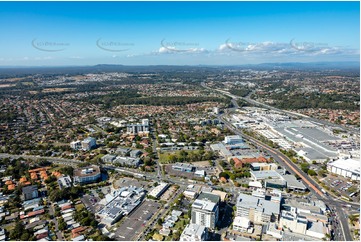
x: 177, y: 33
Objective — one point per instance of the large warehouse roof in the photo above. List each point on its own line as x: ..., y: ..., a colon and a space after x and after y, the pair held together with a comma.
x: 347, y: 164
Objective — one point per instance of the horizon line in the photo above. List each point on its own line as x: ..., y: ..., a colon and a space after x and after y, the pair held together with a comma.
x: 190, y: 65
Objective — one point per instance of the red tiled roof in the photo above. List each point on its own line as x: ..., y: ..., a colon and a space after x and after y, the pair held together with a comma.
x: 39, y: 169
x: 66, y: 207
x: 11, y: 187
x: 77, y: 230
x: 237, y: 162
x: 33, y: 176
x: 32, y: 214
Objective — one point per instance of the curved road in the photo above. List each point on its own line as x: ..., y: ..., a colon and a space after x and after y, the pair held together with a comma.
x: 314, y: 120
x: 310, y: 183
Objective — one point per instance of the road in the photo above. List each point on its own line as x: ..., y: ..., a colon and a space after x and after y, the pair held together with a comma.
x: 59, y: 234
x: 331, y: 202
x: 56, y: 160
x: 158, y: 215
x: 304, y: 117
x: 154, y: 144
x: 294, y: 169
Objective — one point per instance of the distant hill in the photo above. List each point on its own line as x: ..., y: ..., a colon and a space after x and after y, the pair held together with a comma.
x: 312, y: 66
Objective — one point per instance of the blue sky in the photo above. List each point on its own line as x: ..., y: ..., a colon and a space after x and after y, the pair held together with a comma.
x: 177, y: 33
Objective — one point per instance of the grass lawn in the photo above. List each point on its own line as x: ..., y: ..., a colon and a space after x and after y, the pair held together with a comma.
x: 9, y: 227
x: 57, y: 167
x: 79, y: 207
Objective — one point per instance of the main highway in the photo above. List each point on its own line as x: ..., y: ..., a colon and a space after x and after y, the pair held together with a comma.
x: 334, y: 204
x: 304, y: 117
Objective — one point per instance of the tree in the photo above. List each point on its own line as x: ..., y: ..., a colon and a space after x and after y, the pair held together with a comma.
x: 25, y: 236
x: 61, y: 224
x: 18, y: 231
x: 85, y: 221
x: 176, y: 236
x: 223, y: 164
x: 57, y: 213
x: 305, y: 166
x: 224, y: 174
x: 311, y: 173
x: 322, y: 173
x: 67, y: 170
x: 94, y: 223
x: 50, y: 179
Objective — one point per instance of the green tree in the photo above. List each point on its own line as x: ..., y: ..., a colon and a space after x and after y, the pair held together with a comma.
x: 311, y: 173
x: 305, y: 167
x: 25, y: 236
x: 322, y: 173
x: 18, y: 231
x: 61, y: 224
x: 224, y: 174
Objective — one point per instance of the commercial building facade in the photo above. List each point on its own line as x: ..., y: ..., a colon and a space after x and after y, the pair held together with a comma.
x: 194, y: 232
x: 349, y: 168
x: 87, y: 174
x: 257, y: 209
x: 205, y: 213
x: 88, y: 144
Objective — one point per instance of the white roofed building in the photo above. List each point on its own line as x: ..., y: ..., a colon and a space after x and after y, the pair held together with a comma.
x: 241, y: 224
x: 194, y: 232
x: 205, y: 213
x: 159, y: 190
x: 348, y: 167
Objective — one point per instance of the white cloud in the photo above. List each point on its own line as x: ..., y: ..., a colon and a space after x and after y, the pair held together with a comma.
x: 166, y: 49
x: 172, y: 49
x: 281, y: 49
x: 255, y: 51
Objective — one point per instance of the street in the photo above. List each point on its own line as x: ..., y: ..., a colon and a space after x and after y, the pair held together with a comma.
x: 284, y: 161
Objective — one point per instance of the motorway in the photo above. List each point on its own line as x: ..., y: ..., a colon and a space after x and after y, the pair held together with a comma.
x: 304, y: 117
x: 340, y: 217
x: 335, y: 204
x: 332, y: 203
